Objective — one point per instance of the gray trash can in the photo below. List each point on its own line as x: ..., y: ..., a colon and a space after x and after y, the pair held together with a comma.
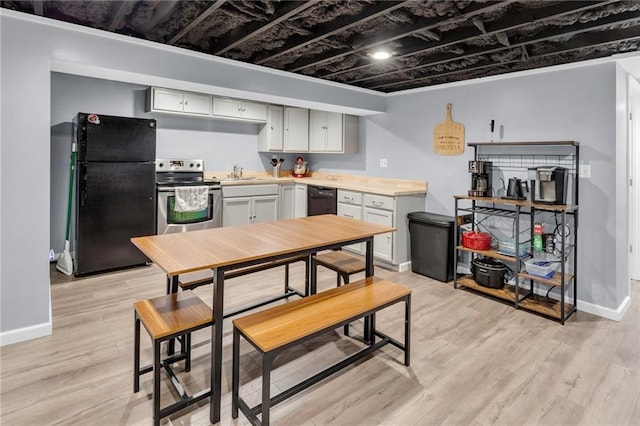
x: 432, y: 245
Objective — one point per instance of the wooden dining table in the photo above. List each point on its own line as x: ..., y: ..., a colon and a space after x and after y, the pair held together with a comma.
x: 233, y: 247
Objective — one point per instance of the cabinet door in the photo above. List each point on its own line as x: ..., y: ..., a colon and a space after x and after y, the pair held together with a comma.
x: 317, y: 131
x: 270, y: 134
x: 287, y: 202
x: 226, y: 107
x: 334, y: 132
x: 254, y: 111
x: 382, y: 244
x: 265, y: 209
x: 296, y: 129
x: 353, y: 212
x: 236, y: 211
x: 167, y: 100
x: 195, y: 103
x: 301, y: 201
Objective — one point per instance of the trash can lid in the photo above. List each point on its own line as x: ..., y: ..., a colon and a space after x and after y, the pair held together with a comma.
x: 431, y: 218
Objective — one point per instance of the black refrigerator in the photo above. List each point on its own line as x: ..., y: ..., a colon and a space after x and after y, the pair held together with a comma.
x: 115, y: 194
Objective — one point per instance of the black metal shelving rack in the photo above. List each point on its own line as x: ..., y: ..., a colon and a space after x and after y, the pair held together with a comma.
x: 525, y: 297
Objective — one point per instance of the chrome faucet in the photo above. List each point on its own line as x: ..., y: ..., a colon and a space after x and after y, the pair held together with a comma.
x: 237, y: 171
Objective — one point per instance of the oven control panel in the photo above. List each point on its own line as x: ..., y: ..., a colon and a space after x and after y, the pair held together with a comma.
x: 177, y: 165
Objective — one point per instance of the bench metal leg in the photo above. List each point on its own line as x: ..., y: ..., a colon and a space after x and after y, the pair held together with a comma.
x: 136, y: 354
x: 267, y: 363
x: 345, y: 278
x: 235, y: 373
x: 407, y: 330
x: 156, y: 381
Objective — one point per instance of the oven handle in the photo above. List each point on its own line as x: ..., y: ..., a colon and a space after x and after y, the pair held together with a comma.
x: 173, y: 188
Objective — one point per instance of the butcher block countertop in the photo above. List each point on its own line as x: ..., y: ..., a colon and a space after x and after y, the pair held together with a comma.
x: 370, y: 184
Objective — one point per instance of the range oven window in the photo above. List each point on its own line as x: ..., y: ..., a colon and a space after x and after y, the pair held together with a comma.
x: 185, y: 218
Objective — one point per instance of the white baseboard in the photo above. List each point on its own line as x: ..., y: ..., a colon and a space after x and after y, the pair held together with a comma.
x: 608, y: 313
x: 405, y: 266
x: 26, y: 333
x: 590, y: 308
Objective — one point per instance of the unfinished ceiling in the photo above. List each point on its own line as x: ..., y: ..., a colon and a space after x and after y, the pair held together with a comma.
x: 432, y: 42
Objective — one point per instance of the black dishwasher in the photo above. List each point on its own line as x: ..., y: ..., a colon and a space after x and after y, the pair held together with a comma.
x: 321, y: 200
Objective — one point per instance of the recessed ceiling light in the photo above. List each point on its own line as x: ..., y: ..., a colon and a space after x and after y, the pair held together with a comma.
x: 381, y: 55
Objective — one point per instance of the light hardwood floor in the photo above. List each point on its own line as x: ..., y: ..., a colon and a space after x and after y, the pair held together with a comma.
x: 474, y: 361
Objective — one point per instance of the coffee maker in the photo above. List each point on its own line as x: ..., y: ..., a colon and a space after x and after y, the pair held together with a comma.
x: 480, y: 178
x: 551, y: 185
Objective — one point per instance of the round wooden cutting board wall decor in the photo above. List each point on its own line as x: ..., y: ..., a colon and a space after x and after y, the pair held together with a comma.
x: 448, y: 137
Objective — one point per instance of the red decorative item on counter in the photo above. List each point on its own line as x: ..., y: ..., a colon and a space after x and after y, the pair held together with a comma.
x: 476, y: 240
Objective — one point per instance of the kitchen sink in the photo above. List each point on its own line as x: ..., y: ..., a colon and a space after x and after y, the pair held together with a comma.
x: 232, y: 179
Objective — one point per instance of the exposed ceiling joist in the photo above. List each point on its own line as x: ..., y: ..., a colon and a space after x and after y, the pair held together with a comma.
x: 256, y: 28
x: 335, y: 27
x: 431, y: 41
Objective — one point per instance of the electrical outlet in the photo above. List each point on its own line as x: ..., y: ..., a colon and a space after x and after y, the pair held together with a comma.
x: 585, y: 171
x: 383, y: 162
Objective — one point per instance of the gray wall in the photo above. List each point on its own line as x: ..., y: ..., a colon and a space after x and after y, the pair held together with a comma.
x: 576, y: 104
x: 32, y: 47
x: 220, y: 143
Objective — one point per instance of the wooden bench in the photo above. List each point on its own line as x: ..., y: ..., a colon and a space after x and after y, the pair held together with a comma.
x: 166, y: 317
x: 342, y: 263
x: 275, y: 329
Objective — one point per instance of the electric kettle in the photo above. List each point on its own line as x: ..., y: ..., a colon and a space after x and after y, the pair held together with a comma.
x: 515, y: 189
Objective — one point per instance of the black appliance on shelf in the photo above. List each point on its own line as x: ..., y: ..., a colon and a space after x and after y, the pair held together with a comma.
x: 480, y: 178
x: 488, y: 272
x: 551, y: 185
x: 115, y: 190
x: 321, y: 200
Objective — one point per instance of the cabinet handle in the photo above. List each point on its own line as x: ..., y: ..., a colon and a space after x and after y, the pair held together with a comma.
x: 348, y: 215
x: 186, y: 102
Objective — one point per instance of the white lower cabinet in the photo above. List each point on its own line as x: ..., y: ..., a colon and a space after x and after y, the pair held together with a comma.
x: 392, y: 248
x: 287, y: 201
x: 300, y: 201
x: 382, y: 244
x: 244, y: 204
x: 350, y: 205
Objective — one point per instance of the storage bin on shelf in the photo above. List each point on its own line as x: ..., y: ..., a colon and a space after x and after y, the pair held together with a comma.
x: 508, y: 247
x: 540, y: 267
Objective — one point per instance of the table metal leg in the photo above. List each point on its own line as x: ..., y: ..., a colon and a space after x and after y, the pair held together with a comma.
x: 172, y: 287
x: 216, y: 345
x: 368, y: 329
x: 313, y: 277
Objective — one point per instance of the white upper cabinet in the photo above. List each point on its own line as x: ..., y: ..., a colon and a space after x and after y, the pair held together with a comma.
x: 270, y: 136
x: 167, y: 100
x: 296, y: 129
x: 236, y: 108
x: 332, y: 132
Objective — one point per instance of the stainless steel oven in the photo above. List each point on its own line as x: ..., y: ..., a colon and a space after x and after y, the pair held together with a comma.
x: 172, y: 173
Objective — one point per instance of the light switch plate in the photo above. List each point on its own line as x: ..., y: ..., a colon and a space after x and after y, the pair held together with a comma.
x: 585, y: 171
x: 383, y: 162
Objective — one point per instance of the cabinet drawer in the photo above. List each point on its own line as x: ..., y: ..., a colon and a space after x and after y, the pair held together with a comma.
x: 379, y: 201
x: 349, y: 197
x: 249, y: 190
x: 349, y: 210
